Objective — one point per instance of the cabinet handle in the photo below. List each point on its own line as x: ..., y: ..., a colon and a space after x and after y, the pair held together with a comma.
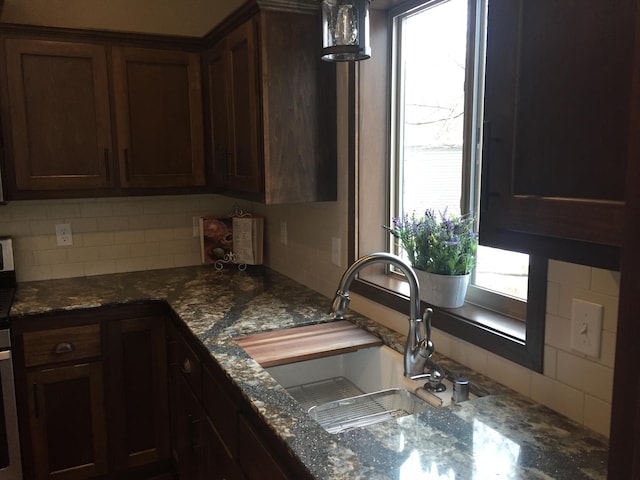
x: 485, y: 185
x: 36, y: 406
x: 64, y: 347
x: 186, y: 366
x: 127, y: 168
x: 193, y: 423
x: 106, y: 164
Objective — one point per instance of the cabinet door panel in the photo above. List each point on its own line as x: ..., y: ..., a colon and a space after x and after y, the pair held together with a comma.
x: 143, y: 435
x: 159, y: 117
x: 558, y: 85
x: 254, y: 458
x: 244, y: 172
x: 215, y: 61
x: 68, y: 422
x: 59, y: 115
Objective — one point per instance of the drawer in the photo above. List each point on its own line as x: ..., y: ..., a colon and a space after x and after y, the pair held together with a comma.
x: 61, y: 344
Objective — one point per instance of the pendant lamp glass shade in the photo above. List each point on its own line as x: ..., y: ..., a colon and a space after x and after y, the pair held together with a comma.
x: 345, y: 30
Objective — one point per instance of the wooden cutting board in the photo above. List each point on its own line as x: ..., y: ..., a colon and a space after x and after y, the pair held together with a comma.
x: 305, y: 343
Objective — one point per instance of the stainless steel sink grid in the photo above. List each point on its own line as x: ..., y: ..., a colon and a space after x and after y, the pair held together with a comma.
x: 367, y: 409
x: 316, y: 393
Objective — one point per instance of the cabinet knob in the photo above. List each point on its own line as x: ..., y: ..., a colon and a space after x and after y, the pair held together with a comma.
x: 64, y: 347
x: 186, y: 366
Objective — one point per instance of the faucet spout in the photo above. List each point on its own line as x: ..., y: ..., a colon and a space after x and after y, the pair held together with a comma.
x: 419, y: 347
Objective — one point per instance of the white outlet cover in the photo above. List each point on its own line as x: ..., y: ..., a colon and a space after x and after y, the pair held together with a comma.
x: 64, y: 236
x: 586, y: 327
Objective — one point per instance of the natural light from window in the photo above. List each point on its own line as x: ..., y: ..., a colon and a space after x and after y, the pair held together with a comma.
x: 430, y: 133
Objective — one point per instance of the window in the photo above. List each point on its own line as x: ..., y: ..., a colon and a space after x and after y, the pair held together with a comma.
x: 435, y: 162
x: 418, y: 147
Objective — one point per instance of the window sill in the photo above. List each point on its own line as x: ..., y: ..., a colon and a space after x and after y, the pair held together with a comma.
x: 494, y: 332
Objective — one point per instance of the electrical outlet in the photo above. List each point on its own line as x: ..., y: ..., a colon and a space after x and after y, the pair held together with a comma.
x: 64, y: 237
x: 283, y: 233
x: 336, y: 247
x: 586, y: 327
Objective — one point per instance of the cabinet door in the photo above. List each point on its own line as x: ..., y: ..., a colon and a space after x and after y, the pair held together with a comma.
x: 140, y: 433
x: 217, y: 123
x: 244, y: 162
x: 254, y: 457
x: 67, y: 422
x: 189, y: 433
x: 59, y: 122
x: 159, y: 118
x: 558, y: 84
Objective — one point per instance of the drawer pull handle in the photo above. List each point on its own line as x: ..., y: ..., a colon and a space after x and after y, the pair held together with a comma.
x: 64, y: 347
x: 186, y: 366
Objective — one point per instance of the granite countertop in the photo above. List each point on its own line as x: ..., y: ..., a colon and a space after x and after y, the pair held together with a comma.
x: 500, y: 435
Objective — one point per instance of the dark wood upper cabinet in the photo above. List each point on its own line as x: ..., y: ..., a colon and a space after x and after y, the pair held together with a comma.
x: 159, y: 117
x: 558, y: 90
x: 57, y: 98
x: 233, y: 111
x: 271, y: 110
x: 94, y: 118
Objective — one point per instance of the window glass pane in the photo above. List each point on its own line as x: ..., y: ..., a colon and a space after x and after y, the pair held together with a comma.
x: 432, y: 125
x: 502, y: 271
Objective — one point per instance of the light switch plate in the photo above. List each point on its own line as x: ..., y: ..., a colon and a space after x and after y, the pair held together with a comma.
x: 586, y: 327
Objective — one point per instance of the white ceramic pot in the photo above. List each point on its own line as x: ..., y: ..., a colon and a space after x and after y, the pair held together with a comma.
x: 446, y: 291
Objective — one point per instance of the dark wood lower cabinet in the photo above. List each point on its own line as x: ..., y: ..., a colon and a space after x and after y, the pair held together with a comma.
x: 215, y: 435
x: 128, y: 393
x: 91, y: 387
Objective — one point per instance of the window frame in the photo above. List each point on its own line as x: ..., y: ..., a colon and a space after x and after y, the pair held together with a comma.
x: 522, y: 343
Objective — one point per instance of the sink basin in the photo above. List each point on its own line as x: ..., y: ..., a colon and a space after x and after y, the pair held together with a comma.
x: 369, y: 370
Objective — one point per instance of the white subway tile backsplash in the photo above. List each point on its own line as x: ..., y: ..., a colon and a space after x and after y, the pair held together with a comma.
x: 550, y: 362
x: 510, y: 374
x: 468, y: 354
x: 50, y: 257
x: 109, y: 235
x: 558, y: 396
x: 585, y: 375
x: 97, y: 209
x: 579, y: 276
x: 83, y: 254
x: 557, y: 332
x: 67, y: 270
x: 100, y: 267
x: 605, y: 281
x: 597, y: 415
x: 113, y: 224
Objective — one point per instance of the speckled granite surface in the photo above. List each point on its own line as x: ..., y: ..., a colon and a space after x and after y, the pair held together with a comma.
x: 501, y: 435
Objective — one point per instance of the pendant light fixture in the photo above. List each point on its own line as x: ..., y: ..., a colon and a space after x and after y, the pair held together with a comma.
x: 345, y: 30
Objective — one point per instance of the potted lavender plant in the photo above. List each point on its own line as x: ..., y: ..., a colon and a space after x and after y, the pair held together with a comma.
x: 442, y: 250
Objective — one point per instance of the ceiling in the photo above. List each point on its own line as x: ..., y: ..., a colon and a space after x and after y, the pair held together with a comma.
x: 193, y: 18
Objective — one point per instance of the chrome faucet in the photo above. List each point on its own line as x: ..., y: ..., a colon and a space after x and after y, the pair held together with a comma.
x: 419, y: 347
